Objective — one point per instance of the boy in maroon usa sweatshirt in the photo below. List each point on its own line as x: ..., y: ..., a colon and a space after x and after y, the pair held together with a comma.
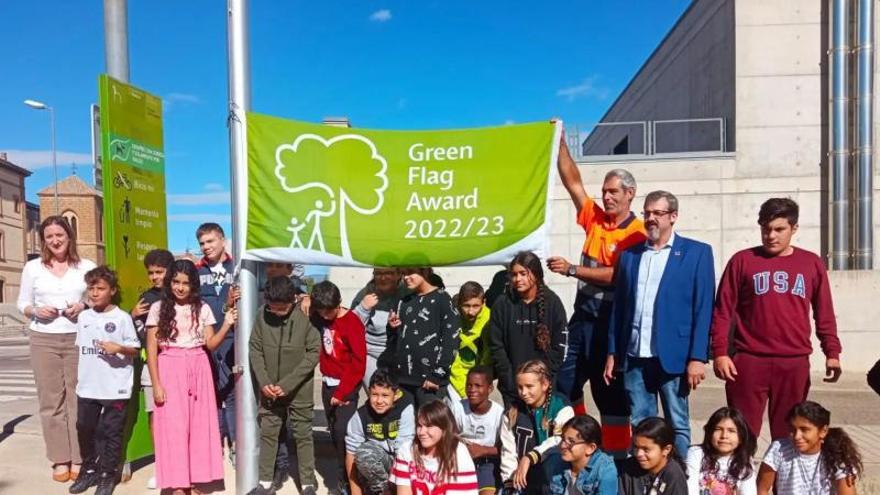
x: 766, y: 292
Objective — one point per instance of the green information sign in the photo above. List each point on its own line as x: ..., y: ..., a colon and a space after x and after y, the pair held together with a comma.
x: 337, y: 196
x: 133, y: 163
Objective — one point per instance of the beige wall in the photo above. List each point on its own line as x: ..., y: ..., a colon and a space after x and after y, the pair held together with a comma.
x: 12, y: 224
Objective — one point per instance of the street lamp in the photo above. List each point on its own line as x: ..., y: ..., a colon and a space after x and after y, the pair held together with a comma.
x: 38, y: 105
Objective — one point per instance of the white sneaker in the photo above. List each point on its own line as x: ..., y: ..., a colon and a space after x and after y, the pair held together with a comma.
x: 151, y: 483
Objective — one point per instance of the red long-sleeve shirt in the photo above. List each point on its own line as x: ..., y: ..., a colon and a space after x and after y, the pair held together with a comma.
x: 344, y: 353
x: 769, y: 299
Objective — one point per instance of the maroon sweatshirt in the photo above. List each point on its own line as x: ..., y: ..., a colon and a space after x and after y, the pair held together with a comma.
x: 344, y: 353
x: 769, y: 299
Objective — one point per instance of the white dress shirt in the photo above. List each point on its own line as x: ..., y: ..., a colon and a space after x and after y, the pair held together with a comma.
x: 651, y: 266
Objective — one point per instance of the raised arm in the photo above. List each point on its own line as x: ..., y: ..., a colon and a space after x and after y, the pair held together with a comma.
x: 570, y: 175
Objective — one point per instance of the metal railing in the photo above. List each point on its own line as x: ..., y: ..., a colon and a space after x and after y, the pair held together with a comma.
x: 658, y: 137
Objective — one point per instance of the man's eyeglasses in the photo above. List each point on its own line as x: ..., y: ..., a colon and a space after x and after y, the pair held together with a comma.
x: 656, y: 213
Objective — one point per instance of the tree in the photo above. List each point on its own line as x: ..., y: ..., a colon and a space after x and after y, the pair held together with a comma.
x: 330, y: 179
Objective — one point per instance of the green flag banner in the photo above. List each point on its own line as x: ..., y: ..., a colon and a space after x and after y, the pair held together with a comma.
x: 328, y: 195
x: 133, y: 163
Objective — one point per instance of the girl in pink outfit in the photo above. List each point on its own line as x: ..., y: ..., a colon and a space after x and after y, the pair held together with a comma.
x: 186, y: 433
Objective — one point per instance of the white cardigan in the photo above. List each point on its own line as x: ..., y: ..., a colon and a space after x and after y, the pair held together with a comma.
x: 40, y: 287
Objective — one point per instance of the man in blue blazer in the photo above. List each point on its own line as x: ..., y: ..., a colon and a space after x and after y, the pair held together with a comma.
x: 659, y: 330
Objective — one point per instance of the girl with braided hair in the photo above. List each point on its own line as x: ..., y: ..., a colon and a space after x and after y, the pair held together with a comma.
x: 527, y: 322
x: 531, y: 431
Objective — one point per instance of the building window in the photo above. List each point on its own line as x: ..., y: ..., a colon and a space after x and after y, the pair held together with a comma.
x: 17, y: 204
x: 72, y: 221
x: 3, y: 246
x: 2, y: 291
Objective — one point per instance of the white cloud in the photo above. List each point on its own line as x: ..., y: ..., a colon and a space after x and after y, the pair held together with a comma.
x: 215, y: 187
x: 35, y: 159
x: 208, y: 198
x: 172, y: 99
x: 383, y: 15
x: 200, y: 218
x: 182, y: 97
x: 587, y: 88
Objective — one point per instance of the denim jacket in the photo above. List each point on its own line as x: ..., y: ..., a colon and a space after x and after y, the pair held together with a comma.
x: 598, y: 478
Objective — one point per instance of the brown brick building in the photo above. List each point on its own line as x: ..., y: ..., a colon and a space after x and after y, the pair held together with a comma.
x: 82, y: 206
x: 13, y: 225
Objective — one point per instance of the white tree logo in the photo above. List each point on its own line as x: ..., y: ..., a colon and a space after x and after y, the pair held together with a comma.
x: 358, y: 184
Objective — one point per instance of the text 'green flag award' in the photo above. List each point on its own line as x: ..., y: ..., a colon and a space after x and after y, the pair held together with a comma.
x: 336, y: 196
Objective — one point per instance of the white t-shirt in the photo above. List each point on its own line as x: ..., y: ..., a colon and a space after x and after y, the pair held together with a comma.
x: 424, y: 481
x: 480, y: 429
x: 104, y: 376
x: 40, y: 287
x: 796, y: 473
x: 716, y: 483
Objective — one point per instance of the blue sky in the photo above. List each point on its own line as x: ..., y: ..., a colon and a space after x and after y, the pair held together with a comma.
x: 388, y: 64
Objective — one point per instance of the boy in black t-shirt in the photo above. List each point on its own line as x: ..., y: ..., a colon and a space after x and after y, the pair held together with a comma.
x: 156, y: 263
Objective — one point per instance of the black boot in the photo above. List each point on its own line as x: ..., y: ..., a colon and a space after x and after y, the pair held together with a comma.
x: 106, y: 484
x: 86, y: 480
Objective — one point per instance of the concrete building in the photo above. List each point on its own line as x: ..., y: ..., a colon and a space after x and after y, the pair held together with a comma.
x: 747, y: 87
x: 82, y: 206
x: 13, y: 226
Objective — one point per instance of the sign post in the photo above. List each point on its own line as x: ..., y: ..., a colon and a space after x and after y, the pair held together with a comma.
x: 134, y: 215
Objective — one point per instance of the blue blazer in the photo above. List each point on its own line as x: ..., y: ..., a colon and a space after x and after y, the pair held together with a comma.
x: 682, y: 310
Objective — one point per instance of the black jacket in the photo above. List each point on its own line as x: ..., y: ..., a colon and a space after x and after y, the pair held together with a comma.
x: 512, y: 327
x: 424, y: 345
x: 633, y: 480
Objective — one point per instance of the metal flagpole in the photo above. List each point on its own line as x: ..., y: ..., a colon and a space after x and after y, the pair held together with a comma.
x: 246, y: 460
x: 116, y: 38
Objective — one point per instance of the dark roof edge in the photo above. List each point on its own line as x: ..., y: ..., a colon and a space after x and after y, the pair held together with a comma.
x: 21, y: 170
x: 647, y: 61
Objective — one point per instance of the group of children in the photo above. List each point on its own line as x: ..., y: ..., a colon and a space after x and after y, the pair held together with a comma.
x: 177, y: 330
x: 428, y: 425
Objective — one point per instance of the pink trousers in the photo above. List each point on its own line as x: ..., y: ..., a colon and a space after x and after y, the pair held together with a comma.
x: 186, y: 433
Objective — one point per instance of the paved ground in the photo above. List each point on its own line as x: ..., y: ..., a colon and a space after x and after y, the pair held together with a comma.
x: 25, y: 470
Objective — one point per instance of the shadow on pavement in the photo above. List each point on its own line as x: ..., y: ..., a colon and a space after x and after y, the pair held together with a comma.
x: 9, y: 427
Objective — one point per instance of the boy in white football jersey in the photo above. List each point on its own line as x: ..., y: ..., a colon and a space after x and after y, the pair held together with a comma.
x: 107, y: 344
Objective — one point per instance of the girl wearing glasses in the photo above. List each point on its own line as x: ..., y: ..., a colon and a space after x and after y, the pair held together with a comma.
x: 592, y: 471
